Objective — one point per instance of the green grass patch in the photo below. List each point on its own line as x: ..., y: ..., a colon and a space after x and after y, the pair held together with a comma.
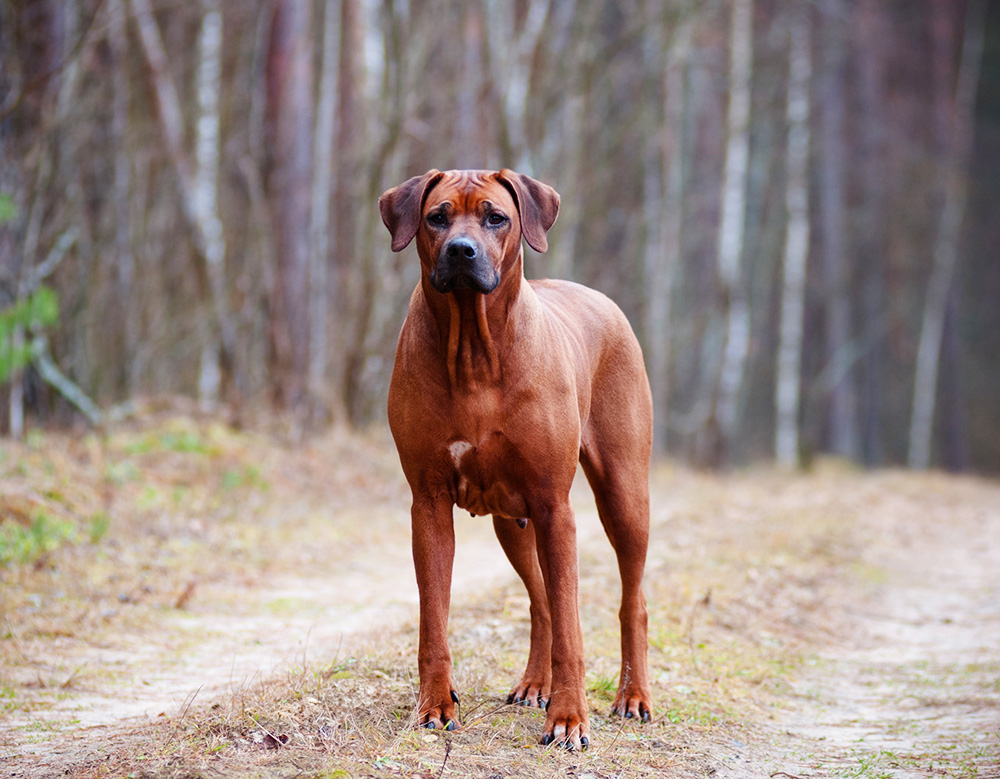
x: 20, y: 544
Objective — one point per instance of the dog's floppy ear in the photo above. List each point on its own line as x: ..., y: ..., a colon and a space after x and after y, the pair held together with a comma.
x: 400, y: 207
x: 537, y: 205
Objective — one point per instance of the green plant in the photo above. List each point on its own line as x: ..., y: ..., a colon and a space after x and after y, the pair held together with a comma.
x: 25, y: 544
x: 37, y: 311
x: 99, y: 524
x: 8, y: 209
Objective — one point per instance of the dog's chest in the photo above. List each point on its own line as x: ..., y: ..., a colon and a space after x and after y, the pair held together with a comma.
x: 488, y: 477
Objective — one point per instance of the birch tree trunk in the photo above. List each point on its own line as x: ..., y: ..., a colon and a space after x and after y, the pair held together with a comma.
x: 512, y: 50
x: 206, y: 184
x: 945, y: 256
x: 196, y: 189
x: 789, y: 363
x: 732, y: 223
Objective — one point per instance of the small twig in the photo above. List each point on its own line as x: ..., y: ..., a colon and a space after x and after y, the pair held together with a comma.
x: 621, y: 726
x: 39, y: 79
x: 275, y: 742
x: 785, y: 774
x: 188, y: 703
x: 447, y: 752
x: 475, y: 720
x: 45, y: 268
x: 50, y: 372
x: 65, y: 685
x: 186, y: 593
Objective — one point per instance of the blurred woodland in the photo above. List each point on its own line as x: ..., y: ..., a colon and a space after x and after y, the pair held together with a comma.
x: 795, y: 202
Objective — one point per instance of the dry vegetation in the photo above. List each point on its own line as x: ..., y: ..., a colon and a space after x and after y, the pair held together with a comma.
x: 157, y: 533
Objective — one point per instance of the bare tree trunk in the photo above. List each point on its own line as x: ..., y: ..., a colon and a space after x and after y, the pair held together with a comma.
x: 350, y: 127
x: 788, y: 382
x: 662, y: 197
x: 289, y: 146
x: 869, y: 32
x: 561, y: 260
x: 347, y: 192
x: 731, y: 227
x: 512, y: 51
x: 469, y: 136
x: 955, y: 453
x: 52, y: 22
x: 833, y: 166
x: 960, y: 111
x: 124, y: 257
x: 323, y: 184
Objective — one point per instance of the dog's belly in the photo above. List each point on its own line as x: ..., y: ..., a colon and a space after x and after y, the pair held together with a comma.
x: 482, y: 484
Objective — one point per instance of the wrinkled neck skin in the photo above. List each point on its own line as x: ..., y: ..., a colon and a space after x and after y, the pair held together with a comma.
x: 473, y: 329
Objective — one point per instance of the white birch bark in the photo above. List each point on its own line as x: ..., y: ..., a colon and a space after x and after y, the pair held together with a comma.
x: 515, y: 60
x: 206, y: 232
x: 788, y: 381
x: 946, y: 244
x: 206, y: 188
x: 731, y: 225
x: 319, y: 221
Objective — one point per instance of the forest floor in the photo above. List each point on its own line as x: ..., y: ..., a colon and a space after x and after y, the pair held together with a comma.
x: 180, y: 600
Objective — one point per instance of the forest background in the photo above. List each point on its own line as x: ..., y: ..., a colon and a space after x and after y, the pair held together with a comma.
x: 794, y: 202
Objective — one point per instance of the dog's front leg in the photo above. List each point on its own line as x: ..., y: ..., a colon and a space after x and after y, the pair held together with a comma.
x: 433, y: 554
x: 567, y: 722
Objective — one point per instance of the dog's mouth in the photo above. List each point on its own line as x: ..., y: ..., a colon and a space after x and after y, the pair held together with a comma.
x: 474, y: 279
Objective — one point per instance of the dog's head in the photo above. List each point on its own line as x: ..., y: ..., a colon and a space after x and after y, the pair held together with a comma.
x: 469, y: 224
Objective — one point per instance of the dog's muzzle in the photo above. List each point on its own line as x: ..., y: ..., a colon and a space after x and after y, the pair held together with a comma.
x: 463, y: 264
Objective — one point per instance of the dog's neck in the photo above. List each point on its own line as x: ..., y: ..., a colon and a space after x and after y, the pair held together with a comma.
x: 472, y: 327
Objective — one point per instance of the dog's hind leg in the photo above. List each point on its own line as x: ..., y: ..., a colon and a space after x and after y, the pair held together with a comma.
x: 518, y: 544
x: 621, y: 490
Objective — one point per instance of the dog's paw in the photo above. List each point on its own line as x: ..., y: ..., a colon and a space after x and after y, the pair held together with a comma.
x: 530, y: 693
x: 637, y: 706
x: 566, y: 724
x: 439, y: 717
x: 570, y: 733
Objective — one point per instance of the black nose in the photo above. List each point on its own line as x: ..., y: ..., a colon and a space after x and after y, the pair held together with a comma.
x: 461, y: 247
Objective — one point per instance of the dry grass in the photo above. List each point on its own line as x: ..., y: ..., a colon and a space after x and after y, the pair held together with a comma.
x: 743, y: 575
x: 189, y: 512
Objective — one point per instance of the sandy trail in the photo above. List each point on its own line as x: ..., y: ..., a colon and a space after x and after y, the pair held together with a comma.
x: 909, y: 685
x: 912, y: 685
x: 284, y: 621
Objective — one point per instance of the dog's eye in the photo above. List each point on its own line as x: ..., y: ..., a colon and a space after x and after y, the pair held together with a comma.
x: 438, y: 219
x: 495, y: 220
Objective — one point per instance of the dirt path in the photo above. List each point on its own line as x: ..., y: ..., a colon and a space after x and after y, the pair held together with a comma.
x: 235, y: 630
x: 210, y: 649
x: 889, y: 582
x: 912, y: 688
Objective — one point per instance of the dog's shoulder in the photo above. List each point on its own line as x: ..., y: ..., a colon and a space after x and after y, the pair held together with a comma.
x: 572, y: 301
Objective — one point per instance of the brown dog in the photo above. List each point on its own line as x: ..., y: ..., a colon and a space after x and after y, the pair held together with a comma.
x: 500, y: 386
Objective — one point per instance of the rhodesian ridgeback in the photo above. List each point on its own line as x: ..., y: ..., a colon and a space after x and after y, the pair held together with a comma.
x: 500, y: 386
